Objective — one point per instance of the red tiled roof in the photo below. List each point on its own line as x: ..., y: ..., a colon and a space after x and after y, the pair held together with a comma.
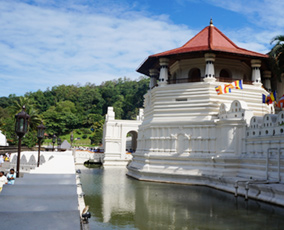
x: 210, y: 39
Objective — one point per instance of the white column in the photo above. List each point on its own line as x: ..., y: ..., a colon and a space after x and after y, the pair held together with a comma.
x: 153, y: 78
x: 164, y: 62
x: 209, y: 69
x: 267, y: 82
x: 256, y: 77
x: 110, y: 114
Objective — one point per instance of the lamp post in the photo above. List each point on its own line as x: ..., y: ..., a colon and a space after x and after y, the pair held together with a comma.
x: 21, y: 128
x: 58, y: 143
x: 71, y: 139
x: 40, y: 136
x: 53, y: 140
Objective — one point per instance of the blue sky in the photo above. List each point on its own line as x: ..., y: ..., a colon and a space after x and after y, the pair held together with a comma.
x: 44, y: 43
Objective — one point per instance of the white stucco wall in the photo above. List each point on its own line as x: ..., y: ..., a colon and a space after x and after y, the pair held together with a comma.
x: 115, y: 137
x: 3, y: 140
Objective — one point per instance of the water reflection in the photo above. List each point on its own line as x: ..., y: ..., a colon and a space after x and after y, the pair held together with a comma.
x: 119, y: 202
x: 118, y: 195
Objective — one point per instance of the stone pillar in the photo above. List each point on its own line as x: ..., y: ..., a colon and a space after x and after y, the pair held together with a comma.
x: 164, y: 62
x: 209, y: 69
x: 256, y: 77
x: 267, y: 82
x: 153, y: 78
x: 141, y: 115
x: 110, y: 114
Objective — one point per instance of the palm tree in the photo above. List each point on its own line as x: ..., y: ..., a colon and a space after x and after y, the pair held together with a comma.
x: 277, y: 56
x: 34, y: 117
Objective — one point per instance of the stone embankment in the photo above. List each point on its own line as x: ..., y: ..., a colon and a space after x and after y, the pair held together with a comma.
x: 46, y: 198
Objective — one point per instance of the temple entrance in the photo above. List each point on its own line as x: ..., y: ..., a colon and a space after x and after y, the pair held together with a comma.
x: 120, y: 139
x: 131, y: 141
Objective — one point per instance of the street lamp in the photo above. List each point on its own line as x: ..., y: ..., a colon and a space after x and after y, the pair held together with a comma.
x: 53, y: 140
x: 40, y: 136
x: 21, y: 127
x: 58, y: 143
x: 71, y: 139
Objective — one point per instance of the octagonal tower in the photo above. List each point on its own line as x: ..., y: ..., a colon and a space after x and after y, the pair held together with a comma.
x: 182, y: 131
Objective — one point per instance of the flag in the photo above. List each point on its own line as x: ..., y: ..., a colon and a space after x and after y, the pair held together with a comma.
x: 219, y: 89
x: 238, y: 84
x: 226, y: 88
x: 265, y: 99
x: 268, y: 99
x: 273, y: 96
x: 280, y: 103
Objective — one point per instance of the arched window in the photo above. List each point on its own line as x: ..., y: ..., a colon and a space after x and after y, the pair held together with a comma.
x: 225, y: 73
x: 194, y: 74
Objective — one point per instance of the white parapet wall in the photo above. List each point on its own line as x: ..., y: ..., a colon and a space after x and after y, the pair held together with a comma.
x: 50, y: 162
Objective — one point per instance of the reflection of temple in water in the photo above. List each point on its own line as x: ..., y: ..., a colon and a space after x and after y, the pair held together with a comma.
x: 129, y: 204
x: 118, y: 196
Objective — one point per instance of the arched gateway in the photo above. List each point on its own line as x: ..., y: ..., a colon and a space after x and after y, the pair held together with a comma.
x: 115, y: 138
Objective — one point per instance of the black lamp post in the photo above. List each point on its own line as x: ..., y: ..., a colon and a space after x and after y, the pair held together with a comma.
x: 40, y: 136
x: 71, y: 139
x: 53, y: 140
x: 21, y: 128
x: 58, y: 143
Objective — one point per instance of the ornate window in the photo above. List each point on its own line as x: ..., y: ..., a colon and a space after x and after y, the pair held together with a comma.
x: 225, y: 74
x: 194, y: 73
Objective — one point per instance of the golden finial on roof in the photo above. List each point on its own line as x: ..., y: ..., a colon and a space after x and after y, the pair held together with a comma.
x: 211, y: 22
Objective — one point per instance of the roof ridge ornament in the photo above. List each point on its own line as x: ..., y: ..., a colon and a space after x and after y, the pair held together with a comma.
x: 211, y: 22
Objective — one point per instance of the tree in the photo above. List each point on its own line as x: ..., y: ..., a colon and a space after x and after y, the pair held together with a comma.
x: 61, y: 119
x: 7, y: 121
x: 96, y: 138
x: 277, y: 56
x: 64, y: 108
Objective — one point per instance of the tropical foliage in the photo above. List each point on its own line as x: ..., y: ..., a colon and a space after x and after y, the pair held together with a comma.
x: 277, y: 55
x: 65, y: 108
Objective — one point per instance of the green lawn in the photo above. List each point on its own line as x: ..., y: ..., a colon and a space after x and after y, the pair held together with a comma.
x: 78, y: 139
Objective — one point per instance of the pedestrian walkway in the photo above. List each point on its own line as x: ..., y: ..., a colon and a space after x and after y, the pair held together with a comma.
x: 5, y: 167
x: 42, y: 200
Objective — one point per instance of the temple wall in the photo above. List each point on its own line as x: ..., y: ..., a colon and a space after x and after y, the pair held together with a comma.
x: 216, y: 137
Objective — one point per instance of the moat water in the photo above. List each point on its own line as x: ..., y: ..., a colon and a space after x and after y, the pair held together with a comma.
x: 120, y: 202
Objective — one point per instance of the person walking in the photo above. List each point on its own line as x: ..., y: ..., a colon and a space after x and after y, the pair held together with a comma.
x: 3, y: 180
x: 11, y: 176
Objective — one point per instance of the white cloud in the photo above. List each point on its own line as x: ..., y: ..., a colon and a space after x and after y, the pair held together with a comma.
x: 50, y: 42
x: 264, y: 17
x: 263, y: 13
x: 45, y: 46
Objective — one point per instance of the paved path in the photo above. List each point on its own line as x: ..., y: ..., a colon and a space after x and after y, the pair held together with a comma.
x: 41, y: 200
x: 5, y: 167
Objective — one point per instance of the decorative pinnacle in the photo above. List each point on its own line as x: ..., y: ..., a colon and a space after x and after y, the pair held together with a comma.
x: 211, y: 22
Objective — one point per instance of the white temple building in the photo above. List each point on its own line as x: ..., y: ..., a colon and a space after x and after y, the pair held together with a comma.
x: 191, y: 135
